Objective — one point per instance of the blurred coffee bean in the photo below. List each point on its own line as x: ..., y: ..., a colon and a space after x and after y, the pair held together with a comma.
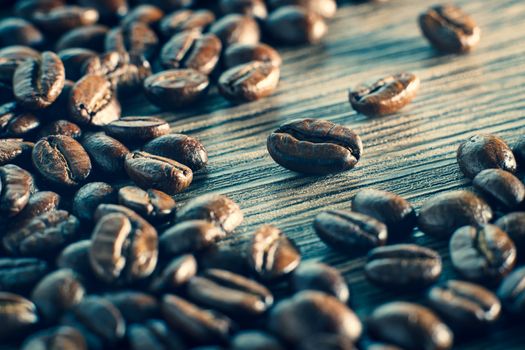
x: 183, y: 20
x: 106, y: 153
x: 17, y: 31
x: 147, y: 14
x: 11, y: 57
x: 109, y: 9
x: 182, y: 148
x: 255, y: 340
x: 90, y: 196
x: 513, y: 225
x: 176, y: 274
x: 235, y: 29
x: 153, y: 334
x: 136, y: 38
x: 58, y: 20
x: 16, y: 186
x: 17, y: 122
x: 39, y: 203
x: 189, y: 236
x: 294, y: 25
x: 15, y: 151
x: 512, y: 292
x: 238, y: 54
x: 21, y: 274
x: 325, y: 8
x: 134, y: 306
x: 500, y: 187
x: 76, y: 257
x: 74, y: 60
x: 61, y: 127
x: 151, y: 204
x: 17, y: 315
x: 253, y: 8
x: 89, y: 37
x: 320, y: 277
x: 137, y: 129
x: 59, y: 338
x: 328, y: 342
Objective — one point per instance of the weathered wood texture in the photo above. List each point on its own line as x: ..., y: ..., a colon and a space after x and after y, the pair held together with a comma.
x: 411, y: 153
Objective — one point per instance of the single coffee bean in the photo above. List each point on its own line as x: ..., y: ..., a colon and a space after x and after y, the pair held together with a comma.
x: 409, y: 326
x: 154, y: 334
x: 326, y: 342
x: 147, y: 14
x: 176, y: 274
x: 39, y: 203
x: 249, y: 82
x: 152, y: 204
x: 17, y: 315
x: 444, y: 213
x: 255, y: 340
x: 175, y: 88
x: 482, y: 152
x: 21, y: 274
x: 61, y: 127
x: 61, y: 19
x: 15, y: 151
x: 295, y: 25
x: 449, y: 28
x: 385, y: 96
x: 106, y: 153
x: 16, y: 187
x: 403, y: 266
x: 235, y: 28
x: 312, y: 313
x: 184, y: 20
x: 315, y: 146
x: 90, y: 196
x: 238, y: 54
x: 76, y: 257
x: 137, y: 129
x: 224, y: 257
x: 17, y: 31
x: 321, y: 277
x: 271, y: 254
x: 465, y: 306
x: 513, y: 225
x: 190, y: 236
x: 11, y: 57
x: 181, y: 148
x: 136, y: 38
x: 62, y: 337
x: 134, y: 306
x: 349, y: 231
x: 253, y: 8
x: 512, y: 292
x: 89, y: 37
x: 482, y: 253
x: 17, y: 122
x: 93, y: 101
x: 500, y: 187
x: 325, y: 8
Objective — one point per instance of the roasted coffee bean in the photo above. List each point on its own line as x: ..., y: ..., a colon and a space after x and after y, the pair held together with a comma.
x: 27, y: 8
x: 17, y: 315
x: 253, y: 8
x: 410, y: 326
x: 315, y: 146
x: 482, y: 253
x: 235, y: 29
x: 44, y: 235
x: 190, y: 236
x: 17, y: 31
x: 449, y: 29
x: 321, y: 277
x: 62, y: 337
x: 136, y: 220
x: 108, y: 9
x: 11, y: 57
x: 183, y: 20
x: 61, y: 127
x: 255, y: 340
x: 500, y: 187
x: 238, y: 54
x: 444, y: 213
x: 385, y: 96
x: 137, y: 129
x: 122, y: 249
x: 136, y: 38
x: 16, y: 186
x: 312, y: 313
x: 175, y: 88
x: 74, y: 60
x: 513, y: 225
x: 15, y: 151
x: 22, y: 274
x: 89, y: 37
x: 465, y: 306
x: 60, y: 19
x: 482, y: 152
x: 106, y: 153
x: 150, y: 171
x: 350, y: 232
x: 225, y: 258
x: 93, y: 101
x: 61, y: 160
x: 325, y: 8
x: 296, y: 25
x: 249, y: 82
x: 38, y: 204
x: 134, y: 306
x: 200, y: 325
x: 271, y: 254
x: 154, y: 334
x: 327, y: 342
x: 17, y: 122
x: 152, y: 204
x: 147, y: 14
x: 176, y: 274
x: 90, y: 196
x: 76, y: 257
x: 182, y: 148
x: 512, y: 292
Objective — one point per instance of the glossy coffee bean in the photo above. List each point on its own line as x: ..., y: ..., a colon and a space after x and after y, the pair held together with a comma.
x: 61, y: 127
x: 271, y: 254
x: 89, y: 37
x: 76, y: 257
x: 184, y: 20
x: 147, y: 14
x: 21, y: 274
x: 153, y: 334
x: 181, y: 148
x: 449, y: 29
x: 255, y: 340
x: 482, y: 152
x: 483, y: 253
x: 151, y: 204
x: 444, y: 213
x: 16, y: 187
x: 136, y: 38
x: 60, y: 19
x: 106, y: 153
x: 175, y: 88
x: 90, y: 196
x: 295, y: 25
x: 500, y: 187
x: 513, y: 225
x: 15, y: 151
x: 62, y: 337
x: 403, y: 266
x: 37, y: 82
x: 215, y: 208
x: 137, y: 129
x: 17, y: 31
x: 238, y: 54
x: 312, y: 313
x: 15, y: 121
x: 512, y: 292
x: 39, y: 203
x: 176, y: 274
x: 249, y: 82
x: 17, y: 315
x: 325, y: 8
x: 134, y: 306
x: 11, y: 57
x: 93, y: 101
x: 321, y: 277
x: 189, y: 236
x: 350, y: 232
x: 315, y: 146
x: 409, y: 326
x: 235, y: 28
x: 253, y: 8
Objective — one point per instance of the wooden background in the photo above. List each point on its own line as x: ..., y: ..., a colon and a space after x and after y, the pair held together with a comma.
x: 411, y: 153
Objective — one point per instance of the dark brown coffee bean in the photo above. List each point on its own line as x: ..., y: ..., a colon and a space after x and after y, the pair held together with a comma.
x: 17, y: 122
x: 444, y: 213
x: 182, y: 148
x: 385, y: 96
x: 321, y: 277
x: 137, y: 220
x: 152, y: 204
x: 17, y: 31
x: 175, y: 88
x: 183, y: 20
x: 349, y: 231
x: 147, y: 14
x: 89, y: 37
x: 106, y: 153
x: 17, y: 315
x: 176, y: 274
x: 512, y: 292
x: 93, y: 101
x: 56, y: 338
x: 21, y: 274
x: 296, y: 25
x: 150, y: 171
x: 513, y: 225
x: 403, y: 266
x: 249, y: 82
x: 134, y: 306
x: 76, y: 257
x: 483, y: 253
x: 16, y: 186
x: 253, y: 8
x: 449, y: 29
x: 136, y: 38
x: 137, y: 129
x: 500, y: 187
x: 74, y: 60
x: 61, y: 127
x: 15, y: 151
x: 235, y: 28
x: 325, y: 8
x: 11, y: 57
x: 61, y: 19
x: 189, y: 236
x: 410, y: 326
x: 38, y: 204
x: 312, y: 313
x: 90, y: 196
x: 108, y: 9
x: 154, y: 334
x: 314, y: 146
x: 238, y: 54
x: 255, y: 340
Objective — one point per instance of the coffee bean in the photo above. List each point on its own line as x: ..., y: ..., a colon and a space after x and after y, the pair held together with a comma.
x: 137, y: 129
x: 62, y: 337
x: 327, y: 342
x: 39, y: 203
x: 27, y: 8
x: 11, y: 57
x: 314, y: 146
x: 21, y: 274
x: 76, y: 257
x: 321, y: 277
x: 325, y: 8
x: 512, y: 292
x: 61, y: 127
x: 136, y: 38
x: 255, y: 340
x: 106, y: 153
x: 444, y: 213
x: 349, y: 231
x: 238, y: 54
x: 134, y: 306
x: 74, y: 60
x: 483, y: 253
x: 184, y: 20
x: 61, y: 160
x: 176, y: 274
x: 190, y: 236
x: 181, y: 148
x: 109, y: 9
x: 17, y: 315
x: 17, y: 31
x: 500, y: 187
x: 465, y: 306
x: 224, y: 257
x: 89, y: 37
x: 93, y: 101
x: 403, y: 266
x: 154, y: 334
x: 235, y: 28
x: 482, y: 152
x: 60, y: 19
x: 175, y: 88
x: 312, y: 313
x: 253, y: 8
x: 15, y: 151
x: 152, y: 204
x: 513, y: 225
x: 295, y: 25
x: 449, y: 29
x: 410, y: 326
x: 16, y: 186
x: 17, y: 122
x: 249, y: 82
x: 90, y: 196
x: 147, y: 14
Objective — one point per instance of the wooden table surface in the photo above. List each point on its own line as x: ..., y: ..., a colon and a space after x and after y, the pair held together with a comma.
x: 411, y: 153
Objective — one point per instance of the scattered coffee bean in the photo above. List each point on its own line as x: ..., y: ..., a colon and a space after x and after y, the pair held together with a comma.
x: 63, y: 337
x: 15, y: 151
x: 512, y: 292
x: 134, y: 306
x: 90, y: 37
x: 17, y: 31
x: 11, y: 57
x: 253, y: 8
x: 325, y: 8
x: 39, y: 203
x: 176, y: 274
x: 76, y: 257
x: 106, y: 153
x: 185, y: 20
x: 16, y: 186
x: 21, y: 274
x: 238, y: 54
x: 136, y: 38
x: 60, y: 19
x: 181, y: 148
x: 224, y: 257
x: 513, y: 225
x: 321, y: 277
x: 17, y: 122
x: 189, y: 236
x: 90, y: 196
x: 17, y: 315
x: 151, y: 204
x: 61, y: 127
x: 296, y: 25
x: 235, y: 28
x: 147, y: 14
x: 501, y: 188
x: 255, y: 340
